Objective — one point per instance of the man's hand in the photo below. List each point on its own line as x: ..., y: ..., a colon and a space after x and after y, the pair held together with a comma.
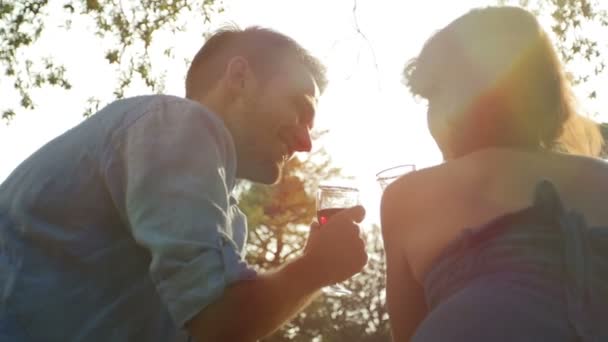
x: 336, y: 251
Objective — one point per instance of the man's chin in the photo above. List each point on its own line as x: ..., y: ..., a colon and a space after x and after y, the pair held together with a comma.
x: 268, y: 176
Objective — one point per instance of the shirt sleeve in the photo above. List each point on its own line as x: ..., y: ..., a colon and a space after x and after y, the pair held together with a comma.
x: 178, y: 163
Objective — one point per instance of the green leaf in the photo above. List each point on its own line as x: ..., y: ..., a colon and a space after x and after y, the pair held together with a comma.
x: 113, y: 56
x: 93, y: 5
x: 8, y: 115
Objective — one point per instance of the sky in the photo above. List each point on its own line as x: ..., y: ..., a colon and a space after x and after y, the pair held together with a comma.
x: 372, y: 121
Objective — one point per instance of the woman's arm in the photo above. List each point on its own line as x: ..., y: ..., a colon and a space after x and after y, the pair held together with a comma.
x: 405, y: 296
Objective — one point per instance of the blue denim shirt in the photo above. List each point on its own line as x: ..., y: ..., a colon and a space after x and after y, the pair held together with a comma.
x: 123, y: 228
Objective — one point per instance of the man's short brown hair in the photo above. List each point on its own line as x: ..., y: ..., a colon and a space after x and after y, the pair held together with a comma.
x: 263, y: 48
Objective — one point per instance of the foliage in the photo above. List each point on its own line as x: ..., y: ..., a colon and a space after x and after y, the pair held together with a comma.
x: 127, y: 27
x: 576, y: 25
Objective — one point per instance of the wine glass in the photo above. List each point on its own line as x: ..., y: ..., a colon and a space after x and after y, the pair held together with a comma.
x: 387, y: 176
x: 331, y: 199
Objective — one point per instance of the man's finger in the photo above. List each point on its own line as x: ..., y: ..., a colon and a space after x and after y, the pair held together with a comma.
x: 356, y: 213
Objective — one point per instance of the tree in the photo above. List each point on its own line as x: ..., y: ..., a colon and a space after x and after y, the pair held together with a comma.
x: 577, y: 26
x: 127, y: 27
x: 279, y: 217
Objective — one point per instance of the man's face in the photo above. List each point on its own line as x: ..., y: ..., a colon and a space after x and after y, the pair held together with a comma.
x: 278, y: 116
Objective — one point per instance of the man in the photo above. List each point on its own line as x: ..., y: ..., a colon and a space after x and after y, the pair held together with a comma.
x: 124, y: 227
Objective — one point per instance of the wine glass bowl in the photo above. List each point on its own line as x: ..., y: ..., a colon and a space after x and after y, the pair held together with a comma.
x: 387, y: 176
x: 331, y: 199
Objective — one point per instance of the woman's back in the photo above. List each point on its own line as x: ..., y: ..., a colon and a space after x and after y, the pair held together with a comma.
x: 582, y: 182
x: 435, y: 205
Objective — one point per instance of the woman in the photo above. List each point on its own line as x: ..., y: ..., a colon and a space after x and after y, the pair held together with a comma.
x: 495, y: 244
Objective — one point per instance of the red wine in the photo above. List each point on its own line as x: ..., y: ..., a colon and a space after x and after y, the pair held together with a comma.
x: 323, y: 215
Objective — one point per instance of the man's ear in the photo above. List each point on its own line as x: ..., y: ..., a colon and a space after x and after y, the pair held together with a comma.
x: 238, y: 75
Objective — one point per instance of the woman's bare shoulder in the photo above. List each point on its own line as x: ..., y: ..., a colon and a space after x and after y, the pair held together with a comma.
x: 418, y: 192
x: 464, y: 169
x: 462, y: 183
